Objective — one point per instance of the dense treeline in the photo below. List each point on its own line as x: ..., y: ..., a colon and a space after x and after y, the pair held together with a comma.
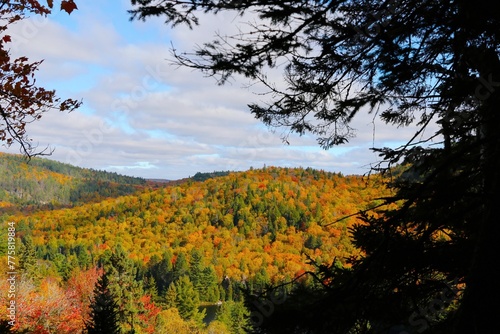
x: 42, y: 182
x: 199, y: 242
x: 259, y: 211
x: 199, y: 176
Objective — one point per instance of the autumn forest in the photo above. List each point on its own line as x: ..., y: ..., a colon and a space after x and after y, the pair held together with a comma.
x: 168, y: 250
x: 411, y: 247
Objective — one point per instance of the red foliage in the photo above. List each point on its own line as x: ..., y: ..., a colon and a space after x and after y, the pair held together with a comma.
x: 68, y: 6
x: 149, y: 316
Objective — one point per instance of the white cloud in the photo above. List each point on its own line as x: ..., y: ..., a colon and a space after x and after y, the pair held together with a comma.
x: 144, y: 117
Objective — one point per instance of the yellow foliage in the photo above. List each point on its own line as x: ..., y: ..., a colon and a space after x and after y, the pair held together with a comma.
x: 170, y: 322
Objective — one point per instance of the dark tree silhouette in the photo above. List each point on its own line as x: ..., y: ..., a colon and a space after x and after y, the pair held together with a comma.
x: 104, y: 310
x: 428, y: 264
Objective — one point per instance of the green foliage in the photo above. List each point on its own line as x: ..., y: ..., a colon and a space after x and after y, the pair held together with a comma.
x: 187, y: 300
x: 28, y: 262
x: 204, y: 278
x: 235, y: 316
x: 161, y: 271
x: 171, y: 297
x: 181, y: 267
x: 104, y: 309
x: 313, y: 242
x: 199, y: 176
x: 43, y: 183
x: 124, y: 287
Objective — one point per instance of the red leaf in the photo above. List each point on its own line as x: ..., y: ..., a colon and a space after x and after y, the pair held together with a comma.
x: 6, y: 38
x: 50, y: 3
x: 68, y: 6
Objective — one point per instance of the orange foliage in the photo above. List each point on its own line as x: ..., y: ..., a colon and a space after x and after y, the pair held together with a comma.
x: 240, y: 220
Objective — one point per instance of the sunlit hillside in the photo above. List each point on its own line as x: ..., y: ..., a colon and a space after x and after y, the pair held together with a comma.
x: 236, y: 232
x: 38, y: 183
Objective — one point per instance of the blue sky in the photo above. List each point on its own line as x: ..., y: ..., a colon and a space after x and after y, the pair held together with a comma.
x: 143, y: 117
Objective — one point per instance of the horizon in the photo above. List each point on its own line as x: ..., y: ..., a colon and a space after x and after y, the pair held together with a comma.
x: 143, y: 117
x: 190, y: 176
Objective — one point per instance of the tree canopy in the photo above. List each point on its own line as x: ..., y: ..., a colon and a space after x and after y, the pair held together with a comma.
x: 430, y: 63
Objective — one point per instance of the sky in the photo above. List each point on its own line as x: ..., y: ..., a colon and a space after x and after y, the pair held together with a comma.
x: 144, y: 117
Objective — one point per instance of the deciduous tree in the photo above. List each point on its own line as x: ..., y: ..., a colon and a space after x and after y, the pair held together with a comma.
x: 21, y: 100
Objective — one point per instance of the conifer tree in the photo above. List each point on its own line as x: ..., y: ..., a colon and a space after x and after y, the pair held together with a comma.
x: 188, y: 300
x: 181, y: 266
x: 196, y: 271
x: 161, y: 270
x: 171, y: 297
x: 235, y: 316
x: 27, y: 260
x: 103, y: 310
x: 210, y: 292
x: 126, y: 289
x: 204, y: 279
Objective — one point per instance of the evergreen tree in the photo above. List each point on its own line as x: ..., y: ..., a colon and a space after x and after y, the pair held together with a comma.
x: 188, y: 300
x: 84, y: 259
x: 196, y: 271
x: 171, y: 297
x: 150, y: 287
x: 181, y: 266
x: 227, y: 288
x: 235, y: 316
x: 103, y: 310
x: 27, y: 259
x: 204, y: 279
x: 210, y: 292
x: 161, y: 270
x: 126, y: 289
x: 434, y: 64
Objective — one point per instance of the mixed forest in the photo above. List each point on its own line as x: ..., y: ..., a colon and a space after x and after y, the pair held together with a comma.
x: 156, y: 254
x: 99, y: 253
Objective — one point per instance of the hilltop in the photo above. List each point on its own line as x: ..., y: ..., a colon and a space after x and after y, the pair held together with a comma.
x: 43, y: 183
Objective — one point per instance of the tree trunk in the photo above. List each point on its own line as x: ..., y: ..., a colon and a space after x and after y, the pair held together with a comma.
x: 480, y: 307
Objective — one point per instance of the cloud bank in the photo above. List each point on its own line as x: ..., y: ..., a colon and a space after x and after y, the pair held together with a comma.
x: 143, y: 117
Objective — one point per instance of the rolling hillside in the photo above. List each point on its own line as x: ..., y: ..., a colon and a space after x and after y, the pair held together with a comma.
x: 43, y: 183
x: 210, y: 240
x: 241, y: 222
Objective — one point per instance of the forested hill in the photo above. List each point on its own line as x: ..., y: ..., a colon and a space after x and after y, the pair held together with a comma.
x: 47, y: 183
x: 237, y: 221
x: 185, y: 243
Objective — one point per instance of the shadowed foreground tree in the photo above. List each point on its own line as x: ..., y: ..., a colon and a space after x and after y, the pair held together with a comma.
x: 21, y: 100
x: 104, y: 309
x: 427, y: 265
